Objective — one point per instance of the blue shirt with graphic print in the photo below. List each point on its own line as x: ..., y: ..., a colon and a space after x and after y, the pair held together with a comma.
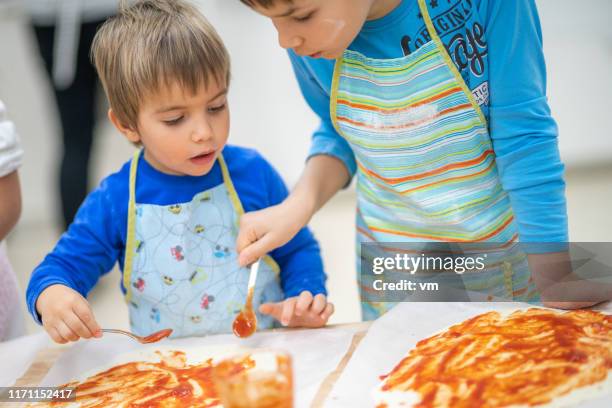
x: 497, y: 47
x: 96, y: 239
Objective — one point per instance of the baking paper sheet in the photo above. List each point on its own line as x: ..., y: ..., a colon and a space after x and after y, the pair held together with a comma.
x: 393, y: 335
x: 18, y: 354
x: 315, y: 354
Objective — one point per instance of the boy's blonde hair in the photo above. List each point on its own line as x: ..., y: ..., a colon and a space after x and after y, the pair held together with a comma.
x: 150, y: 44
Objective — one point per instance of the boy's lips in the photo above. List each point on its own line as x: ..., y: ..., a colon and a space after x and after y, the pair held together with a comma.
x: 203, y: 159
x: 304, y: 53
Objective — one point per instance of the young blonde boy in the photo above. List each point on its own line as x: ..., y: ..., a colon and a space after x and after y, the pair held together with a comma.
x: 170, y: 215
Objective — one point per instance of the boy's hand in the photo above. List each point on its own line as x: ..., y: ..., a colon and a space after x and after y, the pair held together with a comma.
x: 265, y: 230
x: 569, y: 305
x: 560, y: 287
x: 300, y: 311
x: 66, y: 315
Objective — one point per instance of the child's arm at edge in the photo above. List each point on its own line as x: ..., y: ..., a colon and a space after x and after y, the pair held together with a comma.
x: 523, y: 132
x: 525, y: 141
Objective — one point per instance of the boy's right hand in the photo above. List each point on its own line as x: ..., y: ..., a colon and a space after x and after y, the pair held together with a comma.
x: 66, y: 315
x: 265, y: 230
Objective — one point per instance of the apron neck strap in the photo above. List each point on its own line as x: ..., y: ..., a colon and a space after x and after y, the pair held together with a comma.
x: 130, y: 239
x: 230, y: 186
x: 433, y: 33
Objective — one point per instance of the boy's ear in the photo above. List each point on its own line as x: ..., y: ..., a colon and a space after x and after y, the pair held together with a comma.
x: 127, y: 131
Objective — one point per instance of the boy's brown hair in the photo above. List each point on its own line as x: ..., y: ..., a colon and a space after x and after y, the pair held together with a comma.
x: 150, y: 44
x: 263, y: 3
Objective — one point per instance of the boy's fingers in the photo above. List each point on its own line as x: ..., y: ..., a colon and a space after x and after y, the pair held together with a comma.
x: 255, y: 250
x: 85, y: 314
x: 318, y: 304
x: 568, y: 305
x: 265, y: 308
x: 303, y: 303
x: 288, y: 308
x: 246, y: 235
x: 272, y: 309
x: 66, y: 332
x: 56, y: 336
x: 77, y: 326
x: 327, y: 312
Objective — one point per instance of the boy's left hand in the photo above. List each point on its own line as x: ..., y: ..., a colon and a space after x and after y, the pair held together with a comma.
x: 300, y: 311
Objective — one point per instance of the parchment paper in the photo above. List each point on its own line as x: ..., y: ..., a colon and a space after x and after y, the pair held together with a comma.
x: 18, y: 354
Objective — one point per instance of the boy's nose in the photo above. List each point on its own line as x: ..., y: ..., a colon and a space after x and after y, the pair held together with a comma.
x: 202, y: 133
x: 288, y: 40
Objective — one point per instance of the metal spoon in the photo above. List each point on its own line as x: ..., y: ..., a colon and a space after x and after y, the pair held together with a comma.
x: 152, y: 338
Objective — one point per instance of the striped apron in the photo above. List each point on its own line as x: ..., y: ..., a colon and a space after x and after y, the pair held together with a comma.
x: 426, y: 164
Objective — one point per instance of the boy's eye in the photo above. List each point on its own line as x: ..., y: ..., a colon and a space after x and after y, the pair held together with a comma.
x: 303, y: 18
x: 173, y: 122
x: 214, y: 109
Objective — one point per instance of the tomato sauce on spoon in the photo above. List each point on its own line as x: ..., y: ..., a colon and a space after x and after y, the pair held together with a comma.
x: 245, y: 324
x: 157, y: 336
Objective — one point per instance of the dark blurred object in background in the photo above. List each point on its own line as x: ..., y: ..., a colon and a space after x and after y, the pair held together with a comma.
x: 65, y: 30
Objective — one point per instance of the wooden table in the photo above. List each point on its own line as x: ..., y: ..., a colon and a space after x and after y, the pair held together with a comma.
x: 48, y: 356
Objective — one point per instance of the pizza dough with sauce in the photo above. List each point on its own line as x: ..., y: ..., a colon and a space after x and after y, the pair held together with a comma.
x: 533, y: 357
x: 166, y: 378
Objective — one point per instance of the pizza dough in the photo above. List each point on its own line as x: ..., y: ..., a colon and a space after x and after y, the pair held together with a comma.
x: 531, y: 357
x: 171, y: 381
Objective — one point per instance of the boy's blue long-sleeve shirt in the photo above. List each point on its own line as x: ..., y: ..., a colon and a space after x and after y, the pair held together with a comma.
x: 497, y: 47
x: 96, y: 239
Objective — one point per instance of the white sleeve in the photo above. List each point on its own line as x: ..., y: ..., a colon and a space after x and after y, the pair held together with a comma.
x: 10, y: 149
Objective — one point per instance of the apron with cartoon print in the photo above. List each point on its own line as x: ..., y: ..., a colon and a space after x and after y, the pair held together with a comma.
x: 181, y: 269
x: 426, y: 164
